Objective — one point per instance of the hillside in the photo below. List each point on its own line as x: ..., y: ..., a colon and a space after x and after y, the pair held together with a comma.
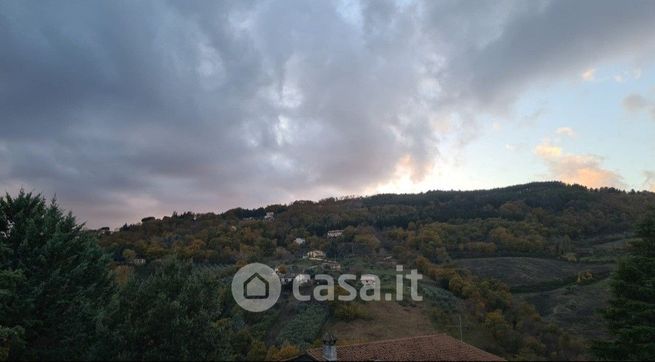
x: 547, y: 218
x: 513, y: 263
x: 521, y: 273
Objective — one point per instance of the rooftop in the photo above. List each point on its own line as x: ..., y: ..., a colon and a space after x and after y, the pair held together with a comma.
x: 435, y: 347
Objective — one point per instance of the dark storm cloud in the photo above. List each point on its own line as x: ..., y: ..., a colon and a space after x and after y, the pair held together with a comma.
x: 537, y: 41
x: 125, y: 109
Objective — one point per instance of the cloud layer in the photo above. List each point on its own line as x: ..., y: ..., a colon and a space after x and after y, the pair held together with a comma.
x: 636, y: 103
x: 577, y: 169
x: 125, y: 109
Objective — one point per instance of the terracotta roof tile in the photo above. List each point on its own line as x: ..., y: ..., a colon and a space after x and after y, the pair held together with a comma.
x: 436, y: 347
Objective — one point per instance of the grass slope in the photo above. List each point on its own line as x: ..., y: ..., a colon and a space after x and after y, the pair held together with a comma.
x: 521, y: 273
x: 574, y: 308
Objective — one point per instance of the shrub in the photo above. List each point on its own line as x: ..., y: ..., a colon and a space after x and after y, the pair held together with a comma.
x: 304, y: 327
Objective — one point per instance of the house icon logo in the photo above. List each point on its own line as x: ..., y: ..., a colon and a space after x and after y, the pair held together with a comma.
x: 256, y: 287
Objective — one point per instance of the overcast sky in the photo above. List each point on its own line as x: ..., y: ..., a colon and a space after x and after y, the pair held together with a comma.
x: 126, y: 109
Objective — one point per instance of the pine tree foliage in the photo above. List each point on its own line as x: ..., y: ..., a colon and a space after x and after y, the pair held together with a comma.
x: 631, y: 314
x: 54, y: 281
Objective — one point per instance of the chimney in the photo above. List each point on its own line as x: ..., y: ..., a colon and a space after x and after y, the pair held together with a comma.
x: 329, y: 347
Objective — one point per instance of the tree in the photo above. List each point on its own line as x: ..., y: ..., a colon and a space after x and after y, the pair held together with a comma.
x: 631, y: 314
x: 129, y: 255
x: 175, y: 313
x: 285, y: 352
x: 282, y: 269
x: 257, y: 351
x: 54, y: 281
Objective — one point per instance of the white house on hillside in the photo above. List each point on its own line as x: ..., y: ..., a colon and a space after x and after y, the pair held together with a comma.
x: 369, y: 279
x: 301, y: 279
x: 331, y: 265
x: 287, y: 278
x: 299, y: 241
x: 315, y: 255
x: 138, y: 261
x: 334, y: 233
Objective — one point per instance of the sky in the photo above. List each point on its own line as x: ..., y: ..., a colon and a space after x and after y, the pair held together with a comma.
x: 127, y: 109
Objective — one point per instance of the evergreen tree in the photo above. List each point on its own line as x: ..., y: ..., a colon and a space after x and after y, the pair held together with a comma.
x: 631, y: 314
x: 174, y: 313
x: 54, y: 281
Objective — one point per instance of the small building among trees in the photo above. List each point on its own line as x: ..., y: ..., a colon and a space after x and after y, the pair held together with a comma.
x: 334, y: 233
x: 315, y: 255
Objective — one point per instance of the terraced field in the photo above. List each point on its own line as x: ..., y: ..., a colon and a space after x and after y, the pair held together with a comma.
x: 575, y: 308
x: 532, y: 274
x: 550, y: 285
